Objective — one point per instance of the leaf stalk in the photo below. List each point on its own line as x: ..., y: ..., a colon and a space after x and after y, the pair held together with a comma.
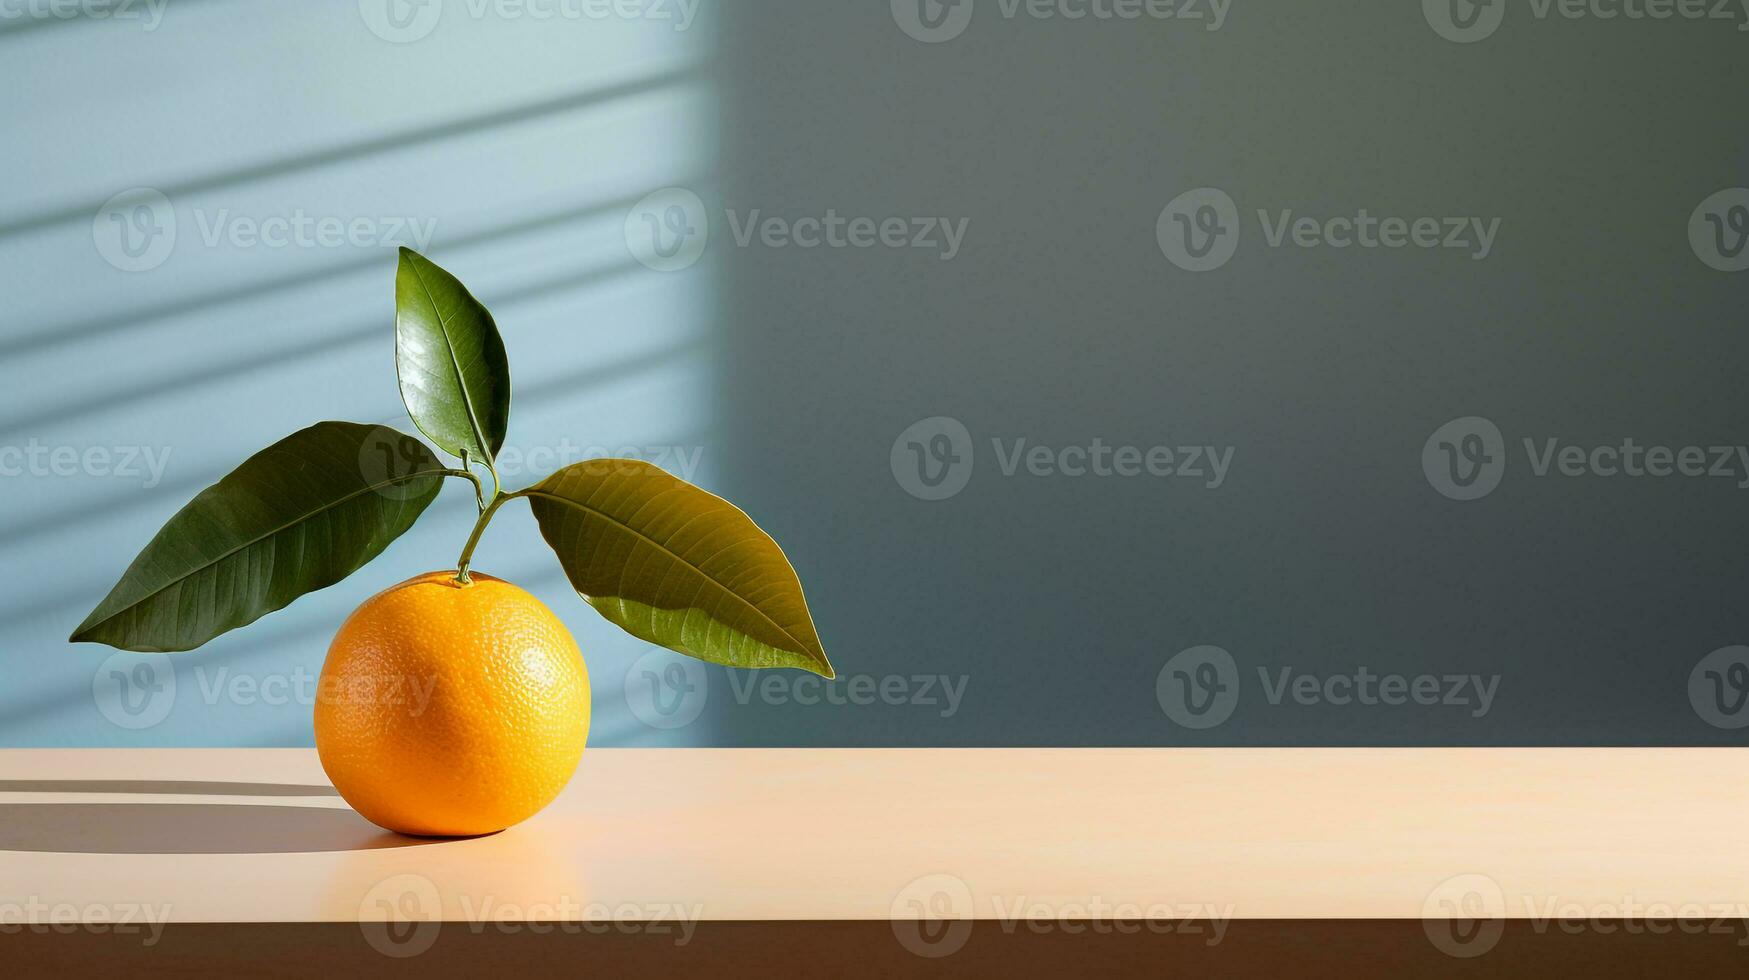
x: 499, y: 499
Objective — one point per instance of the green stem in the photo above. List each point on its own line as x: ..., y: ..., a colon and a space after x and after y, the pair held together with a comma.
x: 499, y: 498
x: 479, y: 488
x: 479, y: 491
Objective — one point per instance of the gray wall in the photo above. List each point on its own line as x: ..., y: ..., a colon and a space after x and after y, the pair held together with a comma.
x: 1051, y: 604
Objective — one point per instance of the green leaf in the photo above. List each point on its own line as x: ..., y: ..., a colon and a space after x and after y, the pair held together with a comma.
x: 674, y: 565
x: 298, y: 516
x: 455, y: 379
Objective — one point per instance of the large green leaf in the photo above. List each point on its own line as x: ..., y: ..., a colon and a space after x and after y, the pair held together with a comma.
x: 672, y: 564
x: 455, y: 379
x: 298, y: 516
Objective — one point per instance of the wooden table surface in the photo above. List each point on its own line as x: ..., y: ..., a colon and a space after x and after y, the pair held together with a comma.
x: 246, y: 835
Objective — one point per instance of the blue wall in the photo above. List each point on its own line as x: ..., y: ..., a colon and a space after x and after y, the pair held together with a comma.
x: 517, y: 145
x: 1034, y: 608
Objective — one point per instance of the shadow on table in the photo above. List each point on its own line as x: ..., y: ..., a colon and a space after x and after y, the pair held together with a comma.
x: 184, y: 828
x: 162, y: 787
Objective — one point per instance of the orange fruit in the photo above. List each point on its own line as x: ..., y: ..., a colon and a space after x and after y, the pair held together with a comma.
x: 450, y: 710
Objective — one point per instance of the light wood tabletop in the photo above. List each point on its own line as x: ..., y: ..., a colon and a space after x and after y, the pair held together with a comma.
x: 249, y: 835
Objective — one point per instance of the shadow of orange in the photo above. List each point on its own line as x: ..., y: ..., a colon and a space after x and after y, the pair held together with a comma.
x: 189, y: 828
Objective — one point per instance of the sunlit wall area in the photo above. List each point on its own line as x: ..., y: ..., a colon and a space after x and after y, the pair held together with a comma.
x: 198, y: 231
